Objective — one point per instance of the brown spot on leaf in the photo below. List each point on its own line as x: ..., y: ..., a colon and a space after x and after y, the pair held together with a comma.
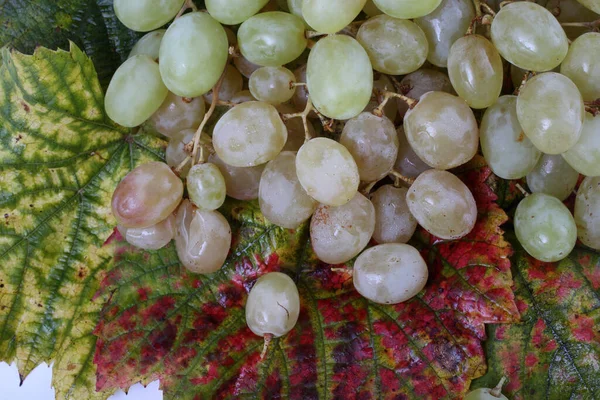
x: 25, y: 107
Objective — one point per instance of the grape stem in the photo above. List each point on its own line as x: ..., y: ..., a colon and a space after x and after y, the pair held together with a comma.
x: 505, y: 3
x: 367, y: 189
x: 234, y: 51
x: 523, y: 191
x: 593, y: 25
x: 313, y: 34
x: 593, y: 107
x: 399, y: 176
x: 304, y: 116
x: 524, y: 81
x: 489, y: 10
x: 387, y: 95
x: 497, y: 391
x: 341, y: 270
x: 189, y: 4
x: 268, y: 337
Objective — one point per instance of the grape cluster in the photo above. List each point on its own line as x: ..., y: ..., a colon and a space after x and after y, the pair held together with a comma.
x: 394, y: 93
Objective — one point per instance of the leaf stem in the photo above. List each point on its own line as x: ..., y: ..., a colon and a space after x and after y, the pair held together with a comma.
x: 387, y: 95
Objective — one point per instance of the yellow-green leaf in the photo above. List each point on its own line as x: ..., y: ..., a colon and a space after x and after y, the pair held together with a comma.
x: 60, y: 159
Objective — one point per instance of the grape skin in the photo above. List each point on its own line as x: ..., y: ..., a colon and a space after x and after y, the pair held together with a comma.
x: 241, y: 183
x: 553, y: 176
x: 408, y: 162
x: 151, y: 238
x: 331, y: 16
x: 584, y: 156
x: 272, y: 84
x: 206, y: 186
x: 149, y: 45
x: 582, y: 65
x: 407, y: 9
x: 233, y: 12
x: 587, y: 217
x: 146, y: 15
x: 420, y: 82
x: 394, y: 223
x: 176, y: 114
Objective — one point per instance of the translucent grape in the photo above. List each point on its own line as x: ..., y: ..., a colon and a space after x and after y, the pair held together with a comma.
x: 242, y: 97
x: 582, y: 65
x: 232, y: 83
x: 146, y: 15
x: 281, y: 197
x: 175, y: 153
x: 327, y: 171
x: 442, y: 130
x: 407, y: 9
x: 373, y: 143
x: 202, y: 240
x: 135, y: 92
x: 331, y: 16
x: 146, y: 196
x: 442, y: 27
x: 382, y: 83
x: 390, y: 273
x: 408, y: 162
x: 295, y: 128
x: 585, y: 155
x: 241, y: 183
x: 475, y: 70
x: 442, y: 204
x: 593, y: 5
x: 371, y: 9
x: 571, y: 11
x: 420, y: 82
x: 395, y: 46
x: 249, y: 134
x: 245, y: 67
x: 394, y: 222
x: 272, y: 38
x: 550, y: 110
x: 153, y: 237
x: 206, y: 186
x: 587, y: 217
x: 553, y: 176
x: 233, y: 12
x: 272, y: 84
x: 193, y: 54
x: 339, y: 77
x: 508, y: 152
x: 273, y: 305
x: 529, y: 36
x: 338, y: 234
x: 177, y: 113
x: 149, y: 45
x: 545, y: 227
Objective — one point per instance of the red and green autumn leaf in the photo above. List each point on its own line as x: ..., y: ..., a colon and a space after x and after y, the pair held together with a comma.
x: 189, y: 330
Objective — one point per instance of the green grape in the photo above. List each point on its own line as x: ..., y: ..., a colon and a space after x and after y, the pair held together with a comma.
x: 273, y: 305
x: 244, y: 66
x: 206, y: 186
x: 382, y: 83
x: 390, y: 273
x: 232, y: 83
x: 373, y: 143
x: 272, y: 84
x: 571, y: 11
x: 582, y: 65
x: 241, y: 183
x: 475, y: 70
x: 508, y: 152
x: 327, y: 171
x: 146, y: 196
x: 146, y: 15
x: 442, y: 130
x: 529, y: 36
x: 249, y: 134
x: 331, y: 16
x: 587, y: 217
x: 593, y: 5
x: 233, y: 12
x: 176, y: 114
x: 193, y: 54
x: 339, y: 77
x: 339, y: 233
x: 281, y: 197
x: 151, y: 238
x: 442, y: 204
x: 552, y: 175
x: 149, y: 45
x: 394, y: 222
x: 408, y: 162
x: 202, y: 239
x: 420, y: 82
x: 272, y: 39
x: 545, y: 227
x: 395, y: 46
x: 407, y: 9
x: 371, y: 9
x: 295, y: 7
x: 585, y: 155
x: 444, y: 26
x: 550, y: 110
x: 135, y: 92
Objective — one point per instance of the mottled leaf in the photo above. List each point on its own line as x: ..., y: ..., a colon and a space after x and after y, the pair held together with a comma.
x: 189, y: 330
x: 60, y: 159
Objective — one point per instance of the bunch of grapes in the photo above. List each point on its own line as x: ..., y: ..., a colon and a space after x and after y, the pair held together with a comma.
x: 393, y: 86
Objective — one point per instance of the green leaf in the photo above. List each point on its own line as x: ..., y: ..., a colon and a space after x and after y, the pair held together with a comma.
x: 60, y: 159
x: 554, y: 353
x: 92, y: 24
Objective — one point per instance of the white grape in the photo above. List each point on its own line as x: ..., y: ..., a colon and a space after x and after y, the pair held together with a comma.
x: 149, y: 44
x: 582, y: 65
x: 587, y: 217
x: 330, y: 16
x: 177, y: 113
x: 233, y: 12
x: 153, y: 237
x: 241, y: 183
x: 272, y: 84
x: 407, y: 9
x: 206, y: 186
x: 146, y: 15
x: 552, y: 175
x: 584, y: 156
x: 232, y: 83
x: 394, y: 223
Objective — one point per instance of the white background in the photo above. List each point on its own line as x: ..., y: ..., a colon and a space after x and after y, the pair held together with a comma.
x: 37, y: 386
